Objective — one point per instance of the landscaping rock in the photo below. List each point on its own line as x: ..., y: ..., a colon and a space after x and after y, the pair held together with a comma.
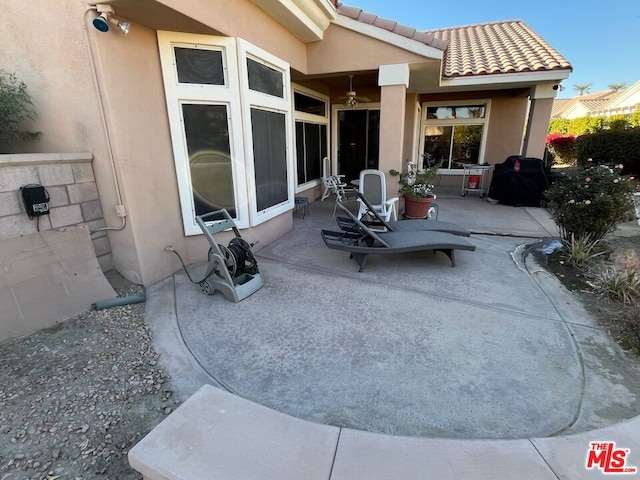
x: 75, y: 398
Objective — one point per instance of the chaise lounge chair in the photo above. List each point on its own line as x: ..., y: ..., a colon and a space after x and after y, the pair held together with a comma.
x: 363, y: 241
x: 379, y: 224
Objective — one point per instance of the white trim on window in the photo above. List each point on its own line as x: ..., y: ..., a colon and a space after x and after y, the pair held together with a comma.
x: 177, y: 94
x: 453, y: 122
x: 239, y: 100
x: 309, y: 118
x: 253, y: 99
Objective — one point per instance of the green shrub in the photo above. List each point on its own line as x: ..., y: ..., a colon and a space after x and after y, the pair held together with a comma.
x: 609, y: 147
x: 559, y: 125
x: 579, y: 251
x: 621, y: 285
x: 585, y: 125
x: 634, y: 119
x: 15, y: 108
x: 630, y: 320
x: 563, y: 147
x: 588, y: 204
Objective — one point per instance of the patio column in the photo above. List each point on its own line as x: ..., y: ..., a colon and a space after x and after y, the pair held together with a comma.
x: 393, y: 80
x: 541, y: 103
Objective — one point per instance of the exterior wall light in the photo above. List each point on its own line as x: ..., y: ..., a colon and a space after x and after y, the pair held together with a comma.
x: 101, y: 22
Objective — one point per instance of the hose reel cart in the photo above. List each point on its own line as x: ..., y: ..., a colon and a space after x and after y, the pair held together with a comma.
x: 233, y: 269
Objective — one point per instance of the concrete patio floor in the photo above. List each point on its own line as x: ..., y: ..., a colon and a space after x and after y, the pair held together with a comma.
x: 493, y: 348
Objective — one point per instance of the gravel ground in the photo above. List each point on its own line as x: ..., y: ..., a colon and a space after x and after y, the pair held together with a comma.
x: 76, y: 397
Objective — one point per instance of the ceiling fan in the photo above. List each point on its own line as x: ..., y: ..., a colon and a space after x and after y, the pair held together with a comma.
x: 351, y: 97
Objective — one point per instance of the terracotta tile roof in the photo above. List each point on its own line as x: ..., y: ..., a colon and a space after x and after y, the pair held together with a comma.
x: 497, y: 48
x: 392, y: 26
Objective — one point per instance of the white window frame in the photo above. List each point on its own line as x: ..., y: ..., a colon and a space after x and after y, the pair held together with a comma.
x: 239, y: 99
x: 456, y: 121
x: 254, y: 99
x: 177, y: 94
x: 309, y: 118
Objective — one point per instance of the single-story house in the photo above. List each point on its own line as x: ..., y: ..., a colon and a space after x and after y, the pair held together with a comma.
x: 605, y: 103
x: 215, y: 103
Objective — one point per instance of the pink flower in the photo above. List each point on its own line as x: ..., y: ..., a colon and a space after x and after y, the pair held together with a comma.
x: 588, y: 179
x: 572, y: 201
x: 586, y: 186
x: 620, y: 166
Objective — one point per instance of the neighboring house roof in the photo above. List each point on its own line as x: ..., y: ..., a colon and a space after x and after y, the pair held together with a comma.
x: 497, y: 48
x: 391, y: 26
x: 559, y: 106
x: 605, y: 102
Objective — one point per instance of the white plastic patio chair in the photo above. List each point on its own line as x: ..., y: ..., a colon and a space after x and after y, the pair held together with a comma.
x: 373, y: 186
x: 330, y: 182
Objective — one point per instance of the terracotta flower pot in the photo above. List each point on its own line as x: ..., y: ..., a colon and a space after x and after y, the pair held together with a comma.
x: 417, y: 207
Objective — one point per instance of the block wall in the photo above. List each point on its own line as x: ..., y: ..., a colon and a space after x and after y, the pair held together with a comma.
x: 70, y: 181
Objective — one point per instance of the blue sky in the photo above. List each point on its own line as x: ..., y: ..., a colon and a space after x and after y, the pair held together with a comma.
x: 601, y: 39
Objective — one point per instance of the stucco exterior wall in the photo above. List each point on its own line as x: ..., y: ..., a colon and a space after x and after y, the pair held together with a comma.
x: 142, y: 144
x: 342, y: 50
x: 242, y: 18
x: 506, y: 128
x: 130, y: 83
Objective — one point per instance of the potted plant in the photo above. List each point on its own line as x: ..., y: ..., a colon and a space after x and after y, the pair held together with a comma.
x: 417, y: 189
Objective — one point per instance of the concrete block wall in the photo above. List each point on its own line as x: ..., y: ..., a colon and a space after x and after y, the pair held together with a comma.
x: 69, y: 179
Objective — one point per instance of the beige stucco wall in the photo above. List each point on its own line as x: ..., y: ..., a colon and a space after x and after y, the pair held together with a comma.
x: 142, y: 143
x: 242, y: 18
x: 57, y: 70
x: 343, y: 50
x: 539, y: 114
x: 506, y: 128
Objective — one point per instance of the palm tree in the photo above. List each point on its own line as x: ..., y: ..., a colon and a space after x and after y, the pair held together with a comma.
x: 582, y: 88
x: 615, y: 87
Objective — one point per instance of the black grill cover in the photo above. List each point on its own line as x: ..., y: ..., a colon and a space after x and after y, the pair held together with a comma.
x: 523, y: 188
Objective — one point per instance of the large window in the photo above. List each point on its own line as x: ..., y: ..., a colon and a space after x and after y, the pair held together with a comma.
x: 229, y: 109
x: 310, y: 110
x: 267, y: 132
x: 453, y: 134
x: 270, y: 157
x: 207, y: 137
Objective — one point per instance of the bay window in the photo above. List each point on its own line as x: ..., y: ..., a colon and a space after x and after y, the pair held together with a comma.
x: 229, y: 111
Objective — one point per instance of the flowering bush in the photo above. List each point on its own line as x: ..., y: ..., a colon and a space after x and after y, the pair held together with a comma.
x: 562, y: 146
x: 415, y: 183
x: 590, y: 203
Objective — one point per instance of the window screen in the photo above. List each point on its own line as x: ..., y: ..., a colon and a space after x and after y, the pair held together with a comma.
x: 199, y: 66
x: 207, y: 134
x: 270, y: 157
x: 264, y: 79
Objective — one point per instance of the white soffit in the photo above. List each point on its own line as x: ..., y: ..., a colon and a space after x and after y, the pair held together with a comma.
x: 306, y: 19
x: 386, y: 36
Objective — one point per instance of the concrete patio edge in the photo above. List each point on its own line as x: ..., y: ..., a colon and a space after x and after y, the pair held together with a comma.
x: 215, y: 434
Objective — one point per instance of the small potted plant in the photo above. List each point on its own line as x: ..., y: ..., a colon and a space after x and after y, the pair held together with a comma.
x: 417, y: 189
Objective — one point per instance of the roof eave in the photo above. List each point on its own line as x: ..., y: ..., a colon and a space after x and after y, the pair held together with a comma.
x: 506, y: 78
x: 389, y: 37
